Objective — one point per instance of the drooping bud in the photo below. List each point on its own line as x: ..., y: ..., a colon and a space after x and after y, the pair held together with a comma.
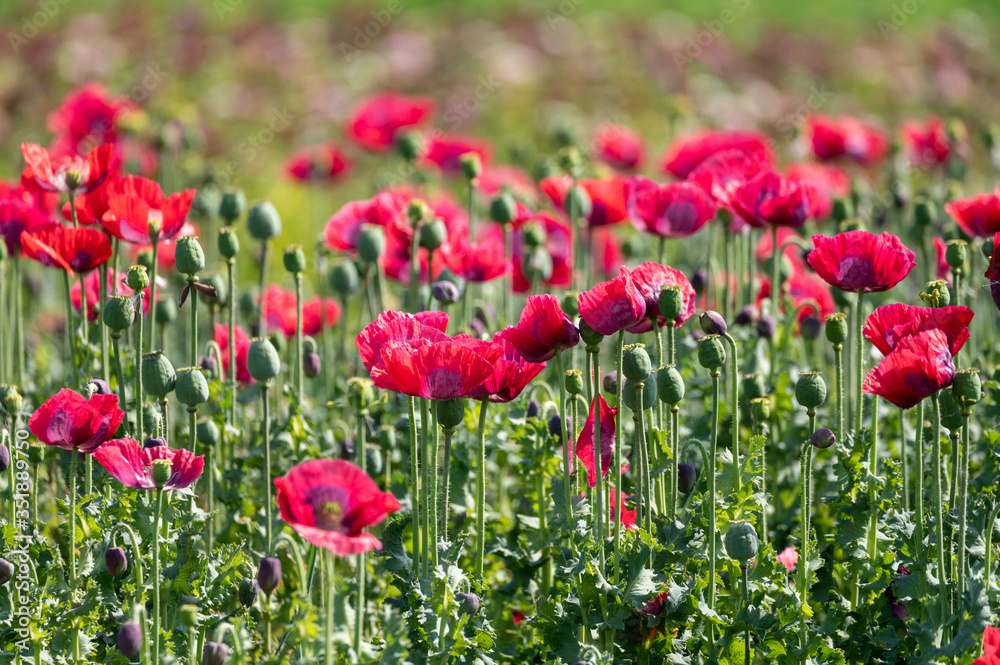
x: 766, y: 327
x: 610, y: 383
x: 214, y: 653
x: 312, y: 365
x: 822, y: 438
x: 269, y: 574
x: 445, y: 292
x: 712, y: 323
x: 810, y: 327
x: 116, y: 561
x: 4, y: 457
x: 154, y: 442
x: 687, y: 476
x: 747, y: 316
x: 97, y: 387
x: 129, y: 639
x: 249, y: 590
x: 469, y: 603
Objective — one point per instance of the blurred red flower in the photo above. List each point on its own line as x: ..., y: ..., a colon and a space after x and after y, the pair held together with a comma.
x: 991, y: 647
x: 87, y: 117
x: 978, y: 216
x: 828, y: 183
x: 542, y: 330
x: 801, y: 286
x: 861, y: 261
x: 70, y: 421
x: 613, y: 305
x: 941, y: 268
x: 889, y: 324
x: 18, y: 213
x: 725, y: 172
x: 139, y: 212
x: 616, y: 502
x: 221, y: 337
x: 377, y: 122
x: 926, y: 143
x: 619, y: 147
x: 558, y: 243
x: 478, y: 262
x: 649, y: 278
x: 585, y: 441
x: 445, y: 152
x: 132, y: 464
x: 845, y: 136
x: 330, y: 502
x: 607, y: 197
x: 115, y: 286
x: 672, y: 210
x: 90, y: 207
x: 74, y: 250
x: 686, y: 153
x: 318, y: 163
x: 280, y: 311
x: 918, y: 366
x: 770, y: 199
x: 71, y: 175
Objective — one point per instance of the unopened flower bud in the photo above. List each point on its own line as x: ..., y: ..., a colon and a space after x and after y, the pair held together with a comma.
x: 823, y: 438
x: 687, y: 476
x: 294, y: 259
x: 263, y: 221
x: 269, y: 574
x: 129, y: 639
x: 741, y: 541
x: 115, y: 561
x: 712, y: 323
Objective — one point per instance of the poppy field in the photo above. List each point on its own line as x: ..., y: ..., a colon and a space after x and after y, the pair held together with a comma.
x: 390, y: 335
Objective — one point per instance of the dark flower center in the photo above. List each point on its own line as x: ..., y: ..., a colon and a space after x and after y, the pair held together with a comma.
x: 328, y: 504
x: 855, y: 273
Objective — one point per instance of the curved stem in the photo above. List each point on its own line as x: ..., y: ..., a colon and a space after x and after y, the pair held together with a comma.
x: 859, y: 362
x: 481, y: 489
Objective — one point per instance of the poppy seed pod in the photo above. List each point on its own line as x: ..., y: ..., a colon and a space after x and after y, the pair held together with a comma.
x: 158, y: 376
x: 578, y: 201
x: 165, y: 311
x: 294, y: 259
x: 232, y: 205
x: 150, y: 418
x: 129, y: 639
x: 371, y: 243
x: 711, y: 352
x: 533, y: 234
x: 269, y: 574
x: 312, y: 365
x: 574, y: 381
x: 936, y: 294
x: 249, y: 590
x: 433, y: 234
x: 967, y: 388
x: 214, y: 653
x: 263, y: 362
x: 191, y: 387
x: 956, y: 253
x: 469, y: 603
x: 842, y: 209
x: 671, y: 302
x: 472, y: 165
x: 590, y: 337
x: 162, y: 470
x: 228, y: 243
x: 344, y: 278
x: 760, y: 409
x: 648, y: 395
x: 188, y: 615
x: 116, y: 561
x: 987, y: 248
x: 766, y: 327
x: 451, y: 412
x: 669, y: 385
x: 636, y: 365
x: 822, y: 438
x: 137, y: 278
x: 360, y: 393
x: 687, y: 476
x: 712, y: 323
x: 503, y: 208
x: 119, y: 313
x: 924, y: 212
x: 207, y: 432
x: 263, y: 221
x: 409, y: 145
x: 609, y: 383
x: 189, y: 257
x: 836, y: 328
x: 741, y: 541
x: 810, y: 390
x: 445, y: 292
x: 753, y: 386
x: 571, y: 304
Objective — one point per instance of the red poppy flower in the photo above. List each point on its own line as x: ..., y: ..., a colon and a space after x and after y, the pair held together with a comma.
x: 343, y: 228
x: 477, y: 262
x: 585, y: 442
x: 320, y: 163
x: 90, y: 207
x: 673, y: 210
x: 543, y: 329
x: 845, y: 137
x: 725, y: 172
x: 918, y: 366
x: 137, y: 205
x: 649, y: 278
x: 379, y: 119
x: 330, y: 502
x: 517, y: 616
x: 686, y: 153
x: 87, y: 116
x: 166, y: 253
x: 978, y: 216
x: 991, y: 647
x: 280, y: 312
x: 861, y: 261
x: 115, y: 286
x: 73, y: 250
x: 398, y: 327
x: 559, y: 245
x: 926, y: 142
x: 18, y: 213
x: 445, y: 152
x: 613, y: 305
x: 511, y: 374
x: 607, y: 197
x: 770, y: 199
x: 889, y: 324
x: 221, y: 337
x: 67, y: 175
x: 444, y: 369
x: 827, y: 182
x: 898, y: 606
x: 619, y: 147
x: 617, y: 504
x: 132, y: 464
x: 607, y: 254
x: 69, y: 421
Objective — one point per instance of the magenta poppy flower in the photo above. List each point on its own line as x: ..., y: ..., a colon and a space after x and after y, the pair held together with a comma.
x: 650, y: 278
x: 788, y: 558
x: 543, y: 330
x: 18, y: 213
x: 831, y: 138
x: 978, y: 216
x: 445, y: 369
x: 511, y: 374
x: 889, y: 324
x: 686, y: 153
x: 280, y: 310
x: 607, y: 197
x: 331, y: 502
x: 445, y: 152
x: 70, y: 421
x: 132, y: 464
x: 72, y: 249
x: 67, y: 175
x: 618, y: 147
x: 993, y: 271
x: 725, y: 172
x: 138, y: 211
x: 90, y: 207
x: 861, y: 261
x: 672, y: 210
x: 87, y: 116
x: 477, y: 262
x: 319, y: 163
x: 827, y: 181
x: 918, y: 366
x: 926, y: 142
x: 380, y: 119
x: 585, y: 442
x: 770, y: 199
x: 613, y: 305
x: 398, y: 327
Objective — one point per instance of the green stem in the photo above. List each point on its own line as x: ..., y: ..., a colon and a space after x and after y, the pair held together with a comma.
x: 445, y: 507
x: 72, y: 521
x: 299, y: 384
x: 872, y: 494
x: 359, y: 613
x: 746, y: 604
x: 152, y: 295
x: 157, y: 516
x: 675, y: 417
x: 990, y: 527
x: 231, y: 295
x: 137, y: 370
x: 70, y: 337
x: 414, y: 270
x: 859, y: 363
x: 918, y: 527
x: 425, y: 454
x: 963, y: 505
x: 712, y: 518
x: 414, y: 489
x: 599, y: 504
x: 261, y: 319
x: 734, y: 373
x: 481, y: 489
x: 267, y: 465
x: 938, y: 510
x: 806, y: 465
x: 775, y: 274
x: 618, y: 455
x: 118, y: 367
x: 903, y: 458
x: 561, y: 379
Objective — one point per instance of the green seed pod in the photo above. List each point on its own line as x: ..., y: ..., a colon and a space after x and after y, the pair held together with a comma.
x: 360, y: 393
x: 590, y: 336
x: 648, y: 394
x: 409, y: 145
x: 810, y: 389
x: 166, y: 311
x: 248, y: 593
x: 162, y: 470
x: 967, y: 388
x: 263, y: 362
x: 119, y: 313
x: 232, y: 205
x: 418, y: 212
x: 711, y: 352
x: 537, y: 264
x: 574, y: 382
x: 503, y: 208
x: 741, y: 541
x: 344, y: 278
x: 570, y: 304
x: 192, y: 386
x: 472, y: 165
x: 669, y: 385
x: 188, y: 615
x: 158, y: 375
x: 636, y: 364
x: 578, y: 201
x: 294, y: 259
x: 433, y: 234
x: 228, y: 243
x: 373, y: 459
x: 760, y: 409
x: 137, y: 278
x: 145, y: 258
x: 836, y: 328
x: 371, y: 243
x: 189, y: 256
x: 987, y: 248
x: 451, y: 413
x: 842, y: 209
x: 924, y: 212
x: 753, y: 386
x: 207, y: 432
x: 151, y: 419
x: 10, y: 399
x: 263, y: 221
x: 936, y: 294
x: 533, y: 235
x: 671, y: 303
x: 956, y: 253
